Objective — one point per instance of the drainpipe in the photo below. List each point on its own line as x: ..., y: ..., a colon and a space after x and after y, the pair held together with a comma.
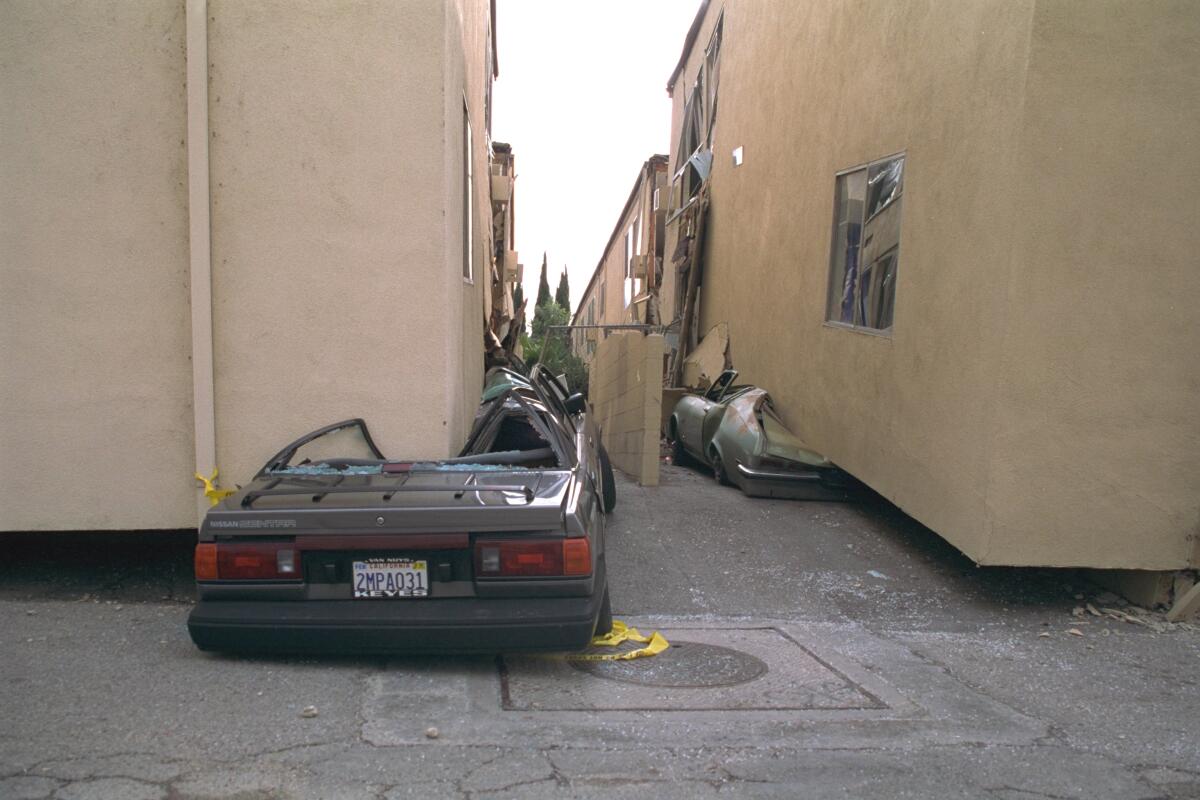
x: 200, y: 255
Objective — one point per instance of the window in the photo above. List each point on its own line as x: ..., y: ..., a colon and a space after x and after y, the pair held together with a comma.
x: 712, y: 75
x: 629, y: 240
x: 468, y: 200
x: 694, y: 153
x: 866, y: 245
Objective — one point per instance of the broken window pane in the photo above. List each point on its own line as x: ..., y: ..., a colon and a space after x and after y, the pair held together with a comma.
x: 849, y: 197
x: 878, y: 293
x: 712, y: 69
x: 693, y: 115
x: 884, y: 184
x: 695, y: 173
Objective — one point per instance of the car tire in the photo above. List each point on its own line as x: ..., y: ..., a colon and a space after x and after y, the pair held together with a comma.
x: 608, y: 483
x: 604, y: 622
x: 719, y: 474
x: 679, y: 455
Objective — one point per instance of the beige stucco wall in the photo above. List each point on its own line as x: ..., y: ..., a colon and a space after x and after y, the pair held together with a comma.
x: 1031, y: 402
x: 1099, y: 375
x: 95, y: 384
x: 323, y: 122
x: 465, y: 70
x: 335, y: 145
x: 625, y: 393
x: 336, y: 173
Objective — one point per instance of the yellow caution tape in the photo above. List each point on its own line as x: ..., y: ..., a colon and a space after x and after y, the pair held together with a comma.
x: 620, y: 633
x: 213, y: 494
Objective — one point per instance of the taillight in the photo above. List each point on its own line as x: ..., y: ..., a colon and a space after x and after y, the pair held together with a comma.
x: 577, y: 557
x: 503, y: 558
x: 262, y: 561
x: 206, y: 562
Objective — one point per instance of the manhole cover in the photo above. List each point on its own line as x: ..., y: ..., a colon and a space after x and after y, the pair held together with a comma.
x: 683, y: 664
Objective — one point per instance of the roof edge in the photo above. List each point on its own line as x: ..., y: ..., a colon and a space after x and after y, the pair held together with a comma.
x: 688, y: 43
x: 655, y: 161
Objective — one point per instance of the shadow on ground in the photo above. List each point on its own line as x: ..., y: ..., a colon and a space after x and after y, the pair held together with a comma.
x: 134, y: 566
x: 834, y: 539
x: 867, y: 558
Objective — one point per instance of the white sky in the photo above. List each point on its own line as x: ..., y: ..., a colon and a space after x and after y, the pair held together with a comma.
x: 582, y: 99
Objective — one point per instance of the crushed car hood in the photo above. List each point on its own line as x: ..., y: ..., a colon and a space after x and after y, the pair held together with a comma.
x: 751, y: 406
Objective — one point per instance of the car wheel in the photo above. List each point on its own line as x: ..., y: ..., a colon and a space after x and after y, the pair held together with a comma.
x: 719, y: 475
x: 678, y: 454
x: 604, y: 621
x: 608, y: 484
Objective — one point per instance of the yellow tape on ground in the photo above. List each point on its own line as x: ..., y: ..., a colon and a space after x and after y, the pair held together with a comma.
x: 620, y: 633
x: 213, y: 494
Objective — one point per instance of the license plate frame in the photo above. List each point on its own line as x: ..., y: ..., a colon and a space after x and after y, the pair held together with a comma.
x: 389, y: 578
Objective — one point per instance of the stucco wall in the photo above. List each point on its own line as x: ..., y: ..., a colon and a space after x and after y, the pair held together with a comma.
x: 328, y: 210
x: 465, y: 68
x: 1099, y: 379
x: 95, y: 385
x: 625, y: 388
x: 984, y: 413
x: 335, y: 147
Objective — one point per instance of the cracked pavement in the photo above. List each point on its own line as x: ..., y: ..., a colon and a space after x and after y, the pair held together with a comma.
x: 103, y: 696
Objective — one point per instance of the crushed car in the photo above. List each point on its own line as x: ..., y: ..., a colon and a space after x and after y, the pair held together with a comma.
x: 498, y: 549
x: 735, y: 431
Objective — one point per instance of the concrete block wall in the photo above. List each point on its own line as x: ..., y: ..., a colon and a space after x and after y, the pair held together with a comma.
x: 625, y: 384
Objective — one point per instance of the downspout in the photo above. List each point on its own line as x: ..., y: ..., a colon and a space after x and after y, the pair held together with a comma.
x: 200, y: 255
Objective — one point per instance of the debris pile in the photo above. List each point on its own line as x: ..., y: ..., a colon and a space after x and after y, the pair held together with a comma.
x: 1109, y: 606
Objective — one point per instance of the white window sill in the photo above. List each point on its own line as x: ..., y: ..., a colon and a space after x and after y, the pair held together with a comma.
x: 875, y: 332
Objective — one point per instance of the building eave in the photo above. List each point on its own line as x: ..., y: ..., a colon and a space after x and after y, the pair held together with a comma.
x: 688, y: 43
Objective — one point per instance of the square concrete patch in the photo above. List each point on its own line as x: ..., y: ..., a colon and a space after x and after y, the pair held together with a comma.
x: 746, y: 669
x: 824, y: 686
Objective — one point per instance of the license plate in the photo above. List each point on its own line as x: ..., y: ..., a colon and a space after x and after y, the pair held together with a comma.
x: 390, y: 577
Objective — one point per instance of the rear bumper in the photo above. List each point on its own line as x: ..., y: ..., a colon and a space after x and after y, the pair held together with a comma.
x: 812, y: 485
x: 448, y: 625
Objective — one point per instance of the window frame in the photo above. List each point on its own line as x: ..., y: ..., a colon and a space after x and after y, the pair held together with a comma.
x: 468, y: 265
x: 888, y: 332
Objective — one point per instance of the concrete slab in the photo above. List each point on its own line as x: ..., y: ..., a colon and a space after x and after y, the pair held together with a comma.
x: 777, y: 673
x: 836, y: 701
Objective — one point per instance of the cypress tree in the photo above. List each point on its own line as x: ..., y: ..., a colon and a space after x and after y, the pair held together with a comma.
x: 543, y: 285
x: 563, y: 295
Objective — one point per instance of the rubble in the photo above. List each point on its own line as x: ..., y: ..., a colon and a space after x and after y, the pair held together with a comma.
x: 709, y: 359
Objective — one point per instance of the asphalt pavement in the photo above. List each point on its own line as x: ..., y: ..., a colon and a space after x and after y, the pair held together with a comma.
x: 818, y: 650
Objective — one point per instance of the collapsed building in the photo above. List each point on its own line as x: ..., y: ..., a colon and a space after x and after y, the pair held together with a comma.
x: 958, y: 248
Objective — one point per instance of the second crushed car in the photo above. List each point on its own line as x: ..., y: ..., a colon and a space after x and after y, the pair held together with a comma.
x: 498, y: 549
x: 735, y: 431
